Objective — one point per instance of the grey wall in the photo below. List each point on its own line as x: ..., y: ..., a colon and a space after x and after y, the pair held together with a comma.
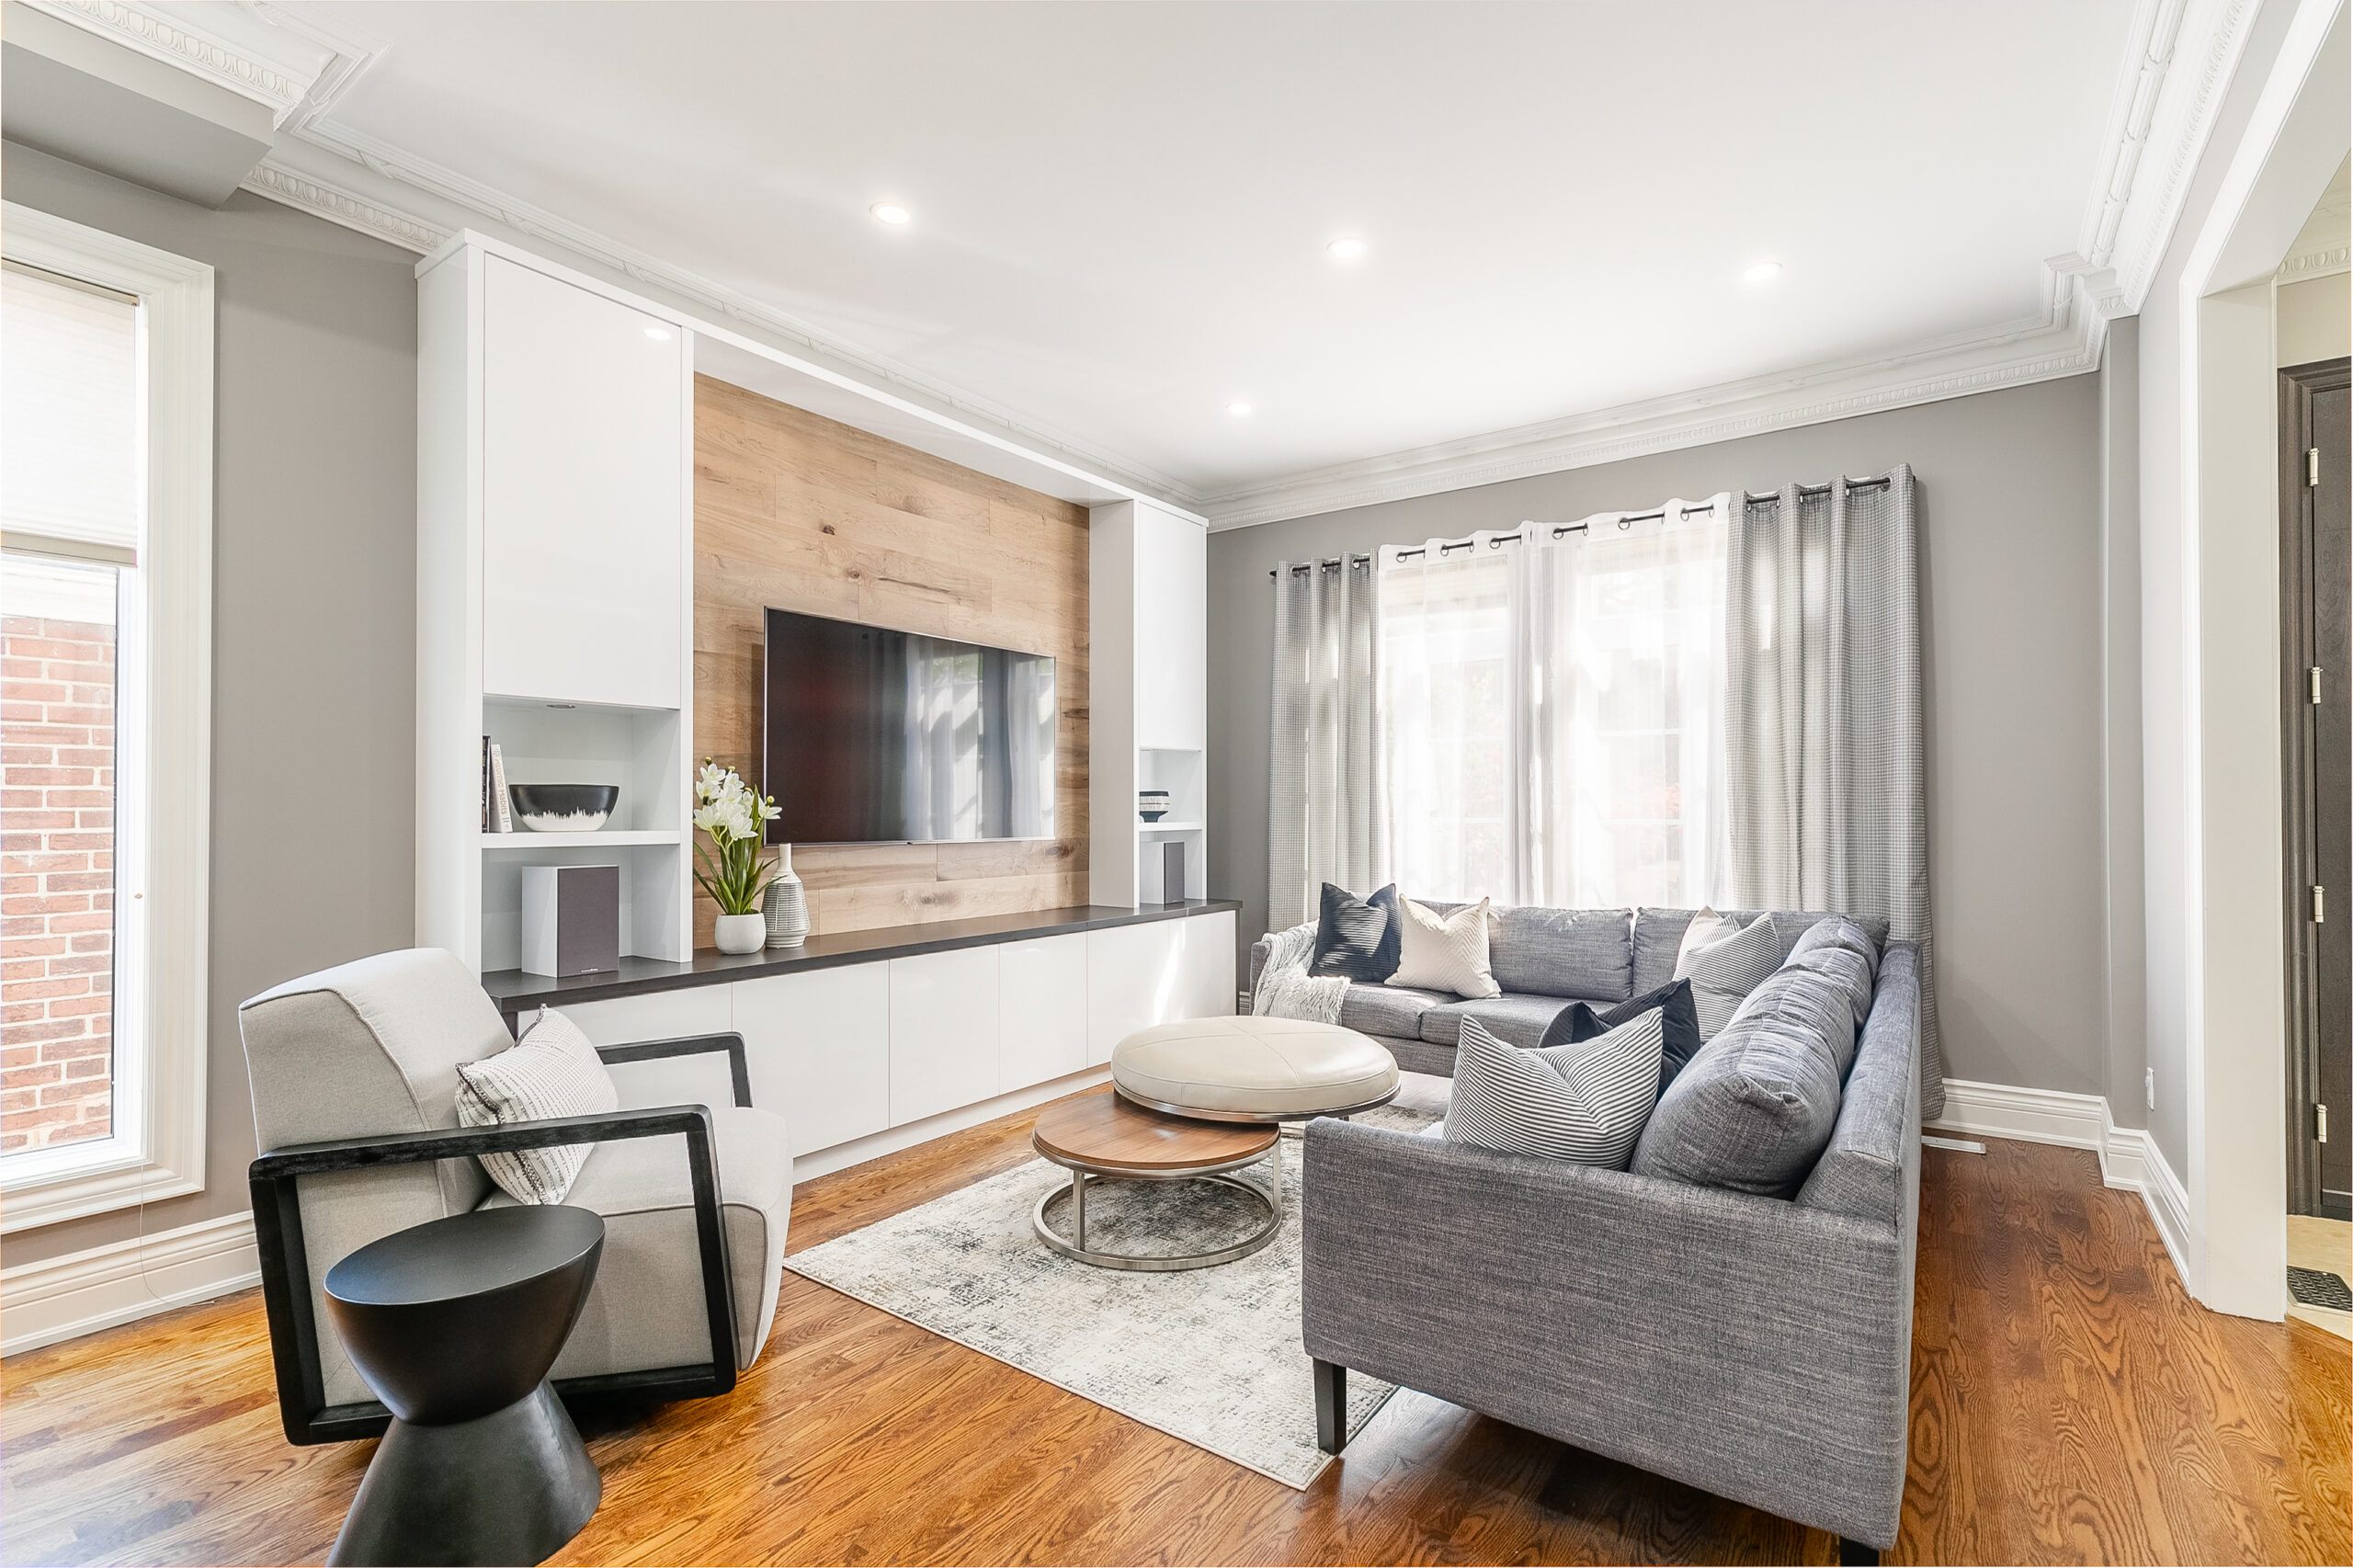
x: 2012, y: 557
x: 314, y: 615
x: 2120, y: 758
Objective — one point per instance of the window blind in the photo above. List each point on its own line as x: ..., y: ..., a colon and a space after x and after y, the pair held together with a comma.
x: 69, y: 418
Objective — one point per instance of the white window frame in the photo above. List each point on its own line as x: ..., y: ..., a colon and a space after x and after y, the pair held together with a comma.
x: 163, y: 823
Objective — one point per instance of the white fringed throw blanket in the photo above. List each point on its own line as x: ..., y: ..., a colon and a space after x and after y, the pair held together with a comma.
x: 1285, y: 988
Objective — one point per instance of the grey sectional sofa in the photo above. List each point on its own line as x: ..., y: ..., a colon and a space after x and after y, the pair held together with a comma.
x: 1755, y: 1347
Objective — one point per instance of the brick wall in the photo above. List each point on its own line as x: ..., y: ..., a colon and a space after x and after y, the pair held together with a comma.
x: 56, y: 881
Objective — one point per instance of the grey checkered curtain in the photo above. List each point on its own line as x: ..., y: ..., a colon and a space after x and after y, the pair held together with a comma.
x: 1326, y: 797
x: 1823, y: 726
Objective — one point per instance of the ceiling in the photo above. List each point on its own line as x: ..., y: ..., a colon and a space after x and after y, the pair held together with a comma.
x: 1120, y: 211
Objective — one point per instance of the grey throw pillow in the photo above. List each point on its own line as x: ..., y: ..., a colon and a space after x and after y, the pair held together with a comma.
x: 1756, y: 1107
x: 552, y: 1071
x: 1585, y: 1102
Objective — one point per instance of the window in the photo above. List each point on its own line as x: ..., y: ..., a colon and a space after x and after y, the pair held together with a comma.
x: 1553, y: 712
x: 105, y: 586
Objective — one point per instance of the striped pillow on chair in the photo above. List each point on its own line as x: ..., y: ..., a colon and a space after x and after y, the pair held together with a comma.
x: 1585, y: 1102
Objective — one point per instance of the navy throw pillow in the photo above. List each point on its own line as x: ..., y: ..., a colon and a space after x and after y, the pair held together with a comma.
x: 1356, y: 938
x: 1578, y: 1021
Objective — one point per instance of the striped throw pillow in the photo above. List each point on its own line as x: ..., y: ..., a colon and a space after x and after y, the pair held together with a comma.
x: 1585, y: 1102
x: 551, y: 1070
x: 1725, y: 966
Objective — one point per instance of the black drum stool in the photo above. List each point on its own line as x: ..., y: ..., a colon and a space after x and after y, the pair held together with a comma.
x: 454, y: 1324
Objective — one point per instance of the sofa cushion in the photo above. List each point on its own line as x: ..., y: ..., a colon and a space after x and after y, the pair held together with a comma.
x: 1566, y: 952
x: 1755, y: 1108
x: 1515, y: 1019
x: 1393, y: 1010
x: 1356, y: 938
x: 1585, y: 1102
x: 1678, y: 1019
x: 1658, y: 935
x: 551, y: 1070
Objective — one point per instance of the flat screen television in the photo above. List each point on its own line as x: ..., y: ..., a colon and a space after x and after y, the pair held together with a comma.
x: 875, y: 736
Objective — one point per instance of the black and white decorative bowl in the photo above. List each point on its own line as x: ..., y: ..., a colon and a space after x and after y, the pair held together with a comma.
x: 564, y: 808
x: 1151, y: 804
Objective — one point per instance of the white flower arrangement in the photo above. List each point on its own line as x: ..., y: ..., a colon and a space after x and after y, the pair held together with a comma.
x: 735, y: 817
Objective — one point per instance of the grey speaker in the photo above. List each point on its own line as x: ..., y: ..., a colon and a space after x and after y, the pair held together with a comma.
x: 1172, y: 872
x: 572, y: 919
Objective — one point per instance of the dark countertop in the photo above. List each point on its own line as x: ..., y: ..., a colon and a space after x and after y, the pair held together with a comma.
x: 513, y: 990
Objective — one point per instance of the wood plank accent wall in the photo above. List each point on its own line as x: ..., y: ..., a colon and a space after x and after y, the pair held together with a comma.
x: 800, y: 513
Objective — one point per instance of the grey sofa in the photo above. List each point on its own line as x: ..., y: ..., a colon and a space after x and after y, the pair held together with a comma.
x: 1758, y: 1347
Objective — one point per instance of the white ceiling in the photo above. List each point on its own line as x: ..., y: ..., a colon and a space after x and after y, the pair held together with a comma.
x: 1121, y: 209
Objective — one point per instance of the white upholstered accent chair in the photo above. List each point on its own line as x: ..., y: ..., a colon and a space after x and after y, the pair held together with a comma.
x: 354, y: 1072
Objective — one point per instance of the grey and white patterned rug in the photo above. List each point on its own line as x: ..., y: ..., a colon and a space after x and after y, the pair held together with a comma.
x: 1209, y: 1355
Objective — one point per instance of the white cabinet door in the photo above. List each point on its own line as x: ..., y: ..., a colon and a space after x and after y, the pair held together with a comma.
x: 664, y: 1015
x: 820, y: 1051
x: 1208, y: 987
x: 1134, y: 979
x: 584, y: 482
x: 1172, y: 633
x: 1041, y: 1010
x: 943, y: 1032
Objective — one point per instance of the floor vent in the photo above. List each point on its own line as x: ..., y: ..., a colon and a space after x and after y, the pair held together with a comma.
x: 2316, y: 1287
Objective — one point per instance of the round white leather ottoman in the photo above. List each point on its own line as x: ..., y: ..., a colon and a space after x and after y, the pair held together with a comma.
x: 1253, y: 1069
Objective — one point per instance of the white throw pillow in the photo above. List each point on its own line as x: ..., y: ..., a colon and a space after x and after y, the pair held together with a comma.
x: 1725, y: 965
x: 1586, y: 1102
x: 551, y: 1070
x: 1444, y: 952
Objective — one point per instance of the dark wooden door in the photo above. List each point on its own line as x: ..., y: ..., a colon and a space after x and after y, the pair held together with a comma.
x: 2316, y: 473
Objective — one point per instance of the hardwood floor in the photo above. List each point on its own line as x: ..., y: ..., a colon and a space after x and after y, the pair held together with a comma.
x: 2070, y: 1404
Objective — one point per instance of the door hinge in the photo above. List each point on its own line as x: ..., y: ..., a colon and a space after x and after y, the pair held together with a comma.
x: 2320, y: 1116
x: 2312, y: 468
x: 2315, y: 686
x: 2320, y: 910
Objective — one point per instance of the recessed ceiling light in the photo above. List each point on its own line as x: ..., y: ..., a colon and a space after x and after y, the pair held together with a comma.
x: 1239, y: 410
x: 1763, y: 272
x: 658, y: 334
x: 1348, y: 248
x: 891, y: 213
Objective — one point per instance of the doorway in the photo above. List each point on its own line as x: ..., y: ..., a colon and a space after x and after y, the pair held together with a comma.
x: 2316, y: 642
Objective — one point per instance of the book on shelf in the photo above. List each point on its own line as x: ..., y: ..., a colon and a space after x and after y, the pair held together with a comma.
x: 485, y: 784
x: 502, y: 807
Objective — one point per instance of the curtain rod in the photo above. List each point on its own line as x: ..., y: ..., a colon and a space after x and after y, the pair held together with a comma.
x: 1560, y: 529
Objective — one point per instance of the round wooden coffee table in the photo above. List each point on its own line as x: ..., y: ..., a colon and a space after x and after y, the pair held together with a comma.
x: 1103, y: 1137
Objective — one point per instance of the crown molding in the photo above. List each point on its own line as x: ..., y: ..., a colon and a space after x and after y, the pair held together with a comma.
x: 2190, y: 79
x: 337, y: 205
x: 2015, y: 356
x: 2313, y: 264
x: 173, y: 35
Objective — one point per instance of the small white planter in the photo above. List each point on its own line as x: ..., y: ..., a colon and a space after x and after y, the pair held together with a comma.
x: 740, y: 933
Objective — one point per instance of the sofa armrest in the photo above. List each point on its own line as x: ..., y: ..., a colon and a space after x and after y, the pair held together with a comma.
x: 739, y: 1070
x: 1740, y: 1344
x: 274, y: 1180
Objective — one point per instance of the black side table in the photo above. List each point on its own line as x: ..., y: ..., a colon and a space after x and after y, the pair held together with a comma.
x: 454, y: 1324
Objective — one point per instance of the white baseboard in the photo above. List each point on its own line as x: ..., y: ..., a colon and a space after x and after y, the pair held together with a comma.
x: 83, y: 1292
x: 2129, y: 1159
x: 857, y: 1151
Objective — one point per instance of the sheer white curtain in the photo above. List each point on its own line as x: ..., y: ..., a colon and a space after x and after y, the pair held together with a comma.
x: 1554, y: 710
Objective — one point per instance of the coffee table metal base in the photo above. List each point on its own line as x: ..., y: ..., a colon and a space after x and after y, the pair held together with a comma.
x: 1075, y: 1245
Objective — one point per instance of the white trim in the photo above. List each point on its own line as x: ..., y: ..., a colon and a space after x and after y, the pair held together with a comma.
x: 322, y: 200
x: 2129, y: 1159
x: 2311, y: 264
x: 81, y: 1293
x: 890, y: 1141
x: 169, y: 35
x: 162, y: 939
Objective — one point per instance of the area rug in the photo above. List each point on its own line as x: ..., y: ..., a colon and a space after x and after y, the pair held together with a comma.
x: 1211, y: 1356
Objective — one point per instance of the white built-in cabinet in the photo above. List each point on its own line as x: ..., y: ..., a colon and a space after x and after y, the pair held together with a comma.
x: 583, y: 427
x: 555, y: 474
x: 1148, y: 679
x: 852, y: 1051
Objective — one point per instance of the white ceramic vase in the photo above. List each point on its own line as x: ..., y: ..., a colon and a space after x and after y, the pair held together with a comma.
x: 786, y: 904
x: 740, y: 933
